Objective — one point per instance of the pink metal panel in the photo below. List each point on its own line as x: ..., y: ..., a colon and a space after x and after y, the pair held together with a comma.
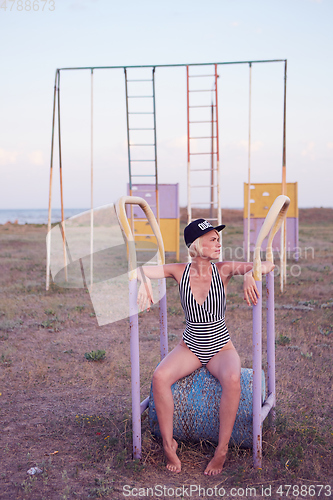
x: 168, y: 200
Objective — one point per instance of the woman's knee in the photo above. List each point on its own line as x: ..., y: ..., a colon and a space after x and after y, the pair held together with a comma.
x: 231, y: 380
x: 160, y: 376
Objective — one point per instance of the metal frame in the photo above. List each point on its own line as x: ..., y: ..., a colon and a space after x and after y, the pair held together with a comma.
x: 270, y: 227
x: 56, y: 99
x: 137, y: 407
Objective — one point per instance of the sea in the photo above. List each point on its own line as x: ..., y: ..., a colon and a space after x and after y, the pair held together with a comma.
x: 36, y: 215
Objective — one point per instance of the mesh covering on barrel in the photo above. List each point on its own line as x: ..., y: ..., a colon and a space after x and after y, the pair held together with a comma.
x: 197, y: 402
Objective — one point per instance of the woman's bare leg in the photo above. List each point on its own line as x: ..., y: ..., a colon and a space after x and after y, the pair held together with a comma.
x: 177, y: 364
x: 226, y: 367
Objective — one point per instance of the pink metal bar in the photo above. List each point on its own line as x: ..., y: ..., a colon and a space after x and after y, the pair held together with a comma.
x: 257, y: 367
x: 163, y: 319
x: 135, y: 368
x: 267, y: 406
x: 144, y: 405
x: 271, y: 338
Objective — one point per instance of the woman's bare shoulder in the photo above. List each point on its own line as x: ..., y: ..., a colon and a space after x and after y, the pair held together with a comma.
x: 224, y: 267
x: 175, y: 270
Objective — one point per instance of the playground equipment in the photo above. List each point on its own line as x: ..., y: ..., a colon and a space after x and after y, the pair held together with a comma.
x: 192, y: 386
x: 270, y: 227
x: 137, y: 407
x: 141, y: 135
x: 261, y: 198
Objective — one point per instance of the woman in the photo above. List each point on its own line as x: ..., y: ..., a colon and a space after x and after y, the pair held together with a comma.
x: 206, y: 341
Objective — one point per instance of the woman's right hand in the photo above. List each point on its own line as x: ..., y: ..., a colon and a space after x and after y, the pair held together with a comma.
x: 145, y: 295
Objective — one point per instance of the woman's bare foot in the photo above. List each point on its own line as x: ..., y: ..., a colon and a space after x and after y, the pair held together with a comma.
x: 173, y: 462
x: 215, y: 466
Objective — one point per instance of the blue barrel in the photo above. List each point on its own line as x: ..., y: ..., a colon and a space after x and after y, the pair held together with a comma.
x: 197, y: 402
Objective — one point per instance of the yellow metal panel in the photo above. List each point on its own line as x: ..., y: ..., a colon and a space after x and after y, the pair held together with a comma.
x: 169, y: 229
x: 263, y: 196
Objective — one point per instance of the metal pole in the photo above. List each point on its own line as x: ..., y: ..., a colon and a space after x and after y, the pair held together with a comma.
x: 270, y: 340
x: 219, y: 209
x: 129, y: 152
x: 92, y: 182
x: 249, y: 170
x: 135, y: 365
x: 212, y: 168
x: 163, y: 318
x: 62, y: 226
x: 155, y: 142
x: 189, y: 209
x: 257, y: 367
x: 284, y: 183
x: 175, y: 65
x: 48, y: 241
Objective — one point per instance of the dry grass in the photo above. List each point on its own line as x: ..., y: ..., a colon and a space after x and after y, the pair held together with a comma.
x: 54, y: 400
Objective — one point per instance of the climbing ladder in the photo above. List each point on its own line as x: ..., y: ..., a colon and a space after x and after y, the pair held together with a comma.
x: 141, y: 139
x: 203, y: 161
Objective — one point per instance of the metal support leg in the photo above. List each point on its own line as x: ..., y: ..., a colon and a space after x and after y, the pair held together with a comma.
x: 271, y: 340
x: 135, y: 369
x: 257, y: 367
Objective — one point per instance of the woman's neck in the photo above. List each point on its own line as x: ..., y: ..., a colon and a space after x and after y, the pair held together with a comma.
x: 201, y: 266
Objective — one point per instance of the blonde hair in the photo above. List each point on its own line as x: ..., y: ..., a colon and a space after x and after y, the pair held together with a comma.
x: 195, y: 249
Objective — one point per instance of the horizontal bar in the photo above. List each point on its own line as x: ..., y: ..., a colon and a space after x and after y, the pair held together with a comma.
x: 203, y: 169
x: 267, y: 406
x: 199, y: 76
x: 139, y: 96
x: 210, y: 90
x: 174, y: 65
x: 141, y: 144
x: 210, y: 153
x: 149, y: 80
x: 203, y: 121
x: 144, y: 405
x: 204, y: 106
x: 141, y: 129
x: 141, y: 160
x: 203, y: 203
x: 208, y: 186
x: 208, y: 137
x: 141, y: 113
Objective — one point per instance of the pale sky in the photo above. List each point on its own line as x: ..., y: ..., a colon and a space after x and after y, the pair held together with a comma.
x: 34, y: 43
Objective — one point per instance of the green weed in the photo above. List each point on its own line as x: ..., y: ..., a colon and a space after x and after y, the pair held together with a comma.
x: 95, y: 355
x: 282, y: 340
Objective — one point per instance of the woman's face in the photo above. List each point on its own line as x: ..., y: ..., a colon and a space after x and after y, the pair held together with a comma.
x: 211, y: 245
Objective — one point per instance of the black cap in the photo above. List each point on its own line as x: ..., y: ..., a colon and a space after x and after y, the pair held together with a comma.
x: 197, y: 228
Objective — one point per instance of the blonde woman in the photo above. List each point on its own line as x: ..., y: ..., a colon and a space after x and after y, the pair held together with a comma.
x: 206, y: 340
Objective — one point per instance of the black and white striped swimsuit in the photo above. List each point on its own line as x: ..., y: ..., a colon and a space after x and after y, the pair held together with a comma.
x: 206, y: 332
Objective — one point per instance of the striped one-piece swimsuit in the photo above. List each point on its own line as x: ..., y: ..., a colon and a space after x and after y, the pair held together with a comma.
x: 206, y: 332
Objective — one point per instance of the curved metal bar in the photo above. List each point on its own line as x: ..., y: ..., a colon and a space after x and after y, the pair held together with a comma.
x: 128, y: 234
x: 277, y: 224
x: 277, y: 211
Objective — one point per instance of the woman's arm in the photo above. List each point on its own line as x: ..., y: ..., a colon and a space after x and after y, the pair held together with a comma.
x: 229, y: 269
x: 146, y: 273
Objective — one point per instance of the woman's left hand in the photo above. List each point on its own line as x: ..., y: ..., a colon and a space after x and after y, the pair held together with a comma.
x: 145, y: 295
x: 251, y: 293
